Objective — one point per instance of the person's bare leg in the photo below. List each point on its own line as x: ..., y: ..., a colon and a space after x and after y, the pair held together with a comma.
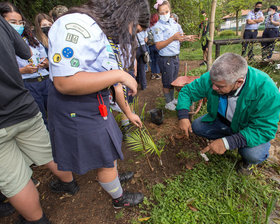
x: 106, y: 175
x: 64, y: 176
x: 27, y: 203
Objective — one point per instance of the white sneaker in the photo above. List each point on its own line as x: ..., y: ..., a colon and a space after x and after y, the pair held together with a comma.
x: 170, y: 106
x: 174, y: 101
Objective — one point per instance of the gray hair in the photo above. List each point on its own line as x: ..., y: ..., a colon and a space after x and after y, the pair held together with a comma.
x: 229, y: 67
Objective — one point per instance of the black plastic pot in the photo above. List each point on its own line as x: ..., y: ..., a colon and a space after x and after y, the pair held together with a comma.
x: 156, y: 116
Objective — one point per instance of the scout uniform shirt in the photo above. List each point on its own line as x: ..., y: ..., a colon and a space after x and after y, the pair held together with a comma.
x: 253, y: 15
x: 141, y: 37
x: 163, y: 31
x: 38, y: 54
x: 268, y: 23
x: 81, y: 39
x: 81, y: 138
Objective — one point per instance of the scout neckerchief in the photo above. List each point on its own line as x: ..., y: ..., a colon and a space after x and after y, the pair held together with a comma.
x: 102, y: 108
x: 116, y: 51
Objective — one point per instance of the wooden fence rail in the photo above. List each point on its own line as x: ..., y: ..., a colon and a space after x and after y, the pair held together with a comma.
x: 219, y: 43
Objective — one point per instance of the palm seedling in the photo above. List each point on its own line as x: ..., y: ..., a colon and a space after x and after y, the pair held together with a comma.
x: 140, y: 140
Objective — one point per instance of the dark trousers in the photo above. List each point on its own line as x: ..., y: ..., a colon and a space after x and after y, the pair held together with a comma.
x: 141, y: 74
x: 39, y: 91
x: 169, y: 67
x: 249, y: 34
x: 154, y: 59
x: 268, y: 47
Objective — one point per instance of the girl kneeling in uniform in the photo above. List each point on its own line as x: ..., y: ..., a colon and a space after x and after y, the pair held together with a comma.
x: 84, y: 62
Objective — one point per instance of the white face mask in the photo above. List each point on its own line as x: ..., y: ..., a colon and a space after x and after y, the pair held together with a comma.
x: 165, y: 18
x: 270, y: 13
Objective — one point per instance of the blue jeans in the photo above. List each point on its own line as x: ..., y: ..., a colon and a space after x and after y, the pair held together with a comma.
x: 218, y: 129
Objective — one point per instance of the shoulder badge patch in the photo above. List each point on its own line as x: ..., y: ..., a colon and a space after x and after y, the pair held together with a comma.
x: 56, y: 58
x: 72, y: 38
x: 75, y: 63
x: 78, y: 28
x: 67, y: 52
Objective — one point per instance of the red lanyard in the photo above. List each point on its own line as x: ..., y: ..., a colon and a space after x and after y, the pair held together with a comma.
x: 102, y: 108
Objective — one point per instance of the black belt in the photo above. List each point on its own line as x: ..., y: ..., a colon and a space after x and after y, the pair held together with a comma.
x: 37, y: 79
x: 251, y: 30
x: 173, y: 57
x: 271, y: 28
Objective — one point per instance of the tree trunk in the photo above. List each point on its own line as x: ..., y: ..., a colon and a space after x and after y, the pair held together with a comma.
x: 237, y: 22
x: 211, y: 32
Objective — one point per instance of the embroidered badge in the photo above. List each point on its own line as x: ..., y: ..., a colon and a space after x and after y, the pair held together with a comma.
x: 78, y: 28
x: 112, y: 56
x: 75, y: 63
x: 72, y: 38
x: 109, y: 48
x: 67, y: 52
x: 56, y: 58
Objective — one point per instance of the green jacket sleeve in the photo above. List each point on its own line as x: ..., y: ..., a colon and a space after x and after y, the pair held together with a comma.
x: 193, y: 92
x: 263, y: 122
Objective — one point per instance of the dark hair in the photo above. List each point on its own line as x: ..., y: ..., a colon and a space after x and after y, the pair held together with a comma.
x: 258, y: 3
x: 202, y: 12
x: 7, y: 7
x: 274, y: 7
x: 114, y: 18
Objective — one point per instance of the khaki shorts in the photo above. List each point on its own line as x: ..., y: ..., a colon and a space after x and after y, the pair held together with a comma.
x: 20, y: 145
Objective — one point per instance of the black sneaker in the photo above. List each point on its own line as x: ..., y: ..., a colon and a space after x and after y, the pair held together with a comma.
x: 124, y: 177
x: 2, y: 197
x: 245, y: 168
x: 6, y: 209
x: 43, y: 220
x: 59, y: 186
x: 35, y: 182
x: 128, y: 199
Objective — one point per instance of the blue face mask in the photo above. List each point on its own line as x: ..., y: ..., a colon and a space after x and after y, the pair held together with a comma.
x: 18, y: 28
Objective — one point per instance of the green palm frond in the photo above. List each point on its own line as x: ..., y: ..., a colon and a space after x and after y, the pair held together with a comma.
x: 118, y: 118
x: 139, y: 140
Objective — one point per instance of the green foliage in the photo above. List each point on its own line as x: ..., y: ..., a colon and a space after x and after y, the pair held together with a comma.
x: 30, y: 8
x: 227, y: 33
x: 211, y: 193
x: 139, y: 140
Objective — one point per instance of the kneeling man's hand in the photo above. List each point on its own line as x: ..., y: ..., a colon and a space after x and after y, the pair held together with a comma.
x: 185, y: 125
x: 216, y: 147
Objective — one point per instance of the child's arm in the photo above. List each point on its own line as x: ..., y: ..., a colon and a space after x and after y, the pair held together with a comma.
x: 120, y: 99
x: 163, y: 44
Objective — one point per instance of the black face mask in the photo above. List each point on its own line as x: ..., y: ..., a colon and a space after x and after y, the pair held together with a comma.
x: 257, y: 9
x: 46, y: 30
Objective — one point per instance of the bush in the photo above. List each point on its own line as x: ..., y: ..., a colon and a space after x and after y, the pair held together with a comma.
x: 227, y: 33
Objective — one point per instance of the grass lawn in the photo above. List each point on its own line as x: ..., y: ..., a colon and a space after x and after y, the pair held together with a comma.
x: 211, y: 193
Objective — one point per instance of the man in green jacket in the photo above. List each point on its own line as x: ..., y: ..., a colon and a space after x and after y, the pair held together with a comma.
x: 243, y: 109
